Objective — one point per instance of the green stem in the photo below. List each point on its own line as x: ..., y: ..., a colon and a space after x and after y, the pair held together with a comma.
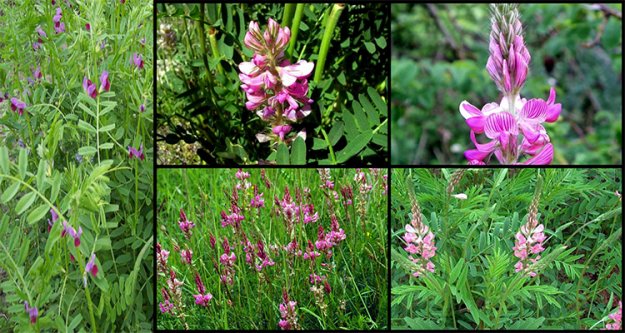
x: 325, y: 136
x: 327, y: 38
x: 299, y: 11
x: 288, y: 14
x: 212, y: 33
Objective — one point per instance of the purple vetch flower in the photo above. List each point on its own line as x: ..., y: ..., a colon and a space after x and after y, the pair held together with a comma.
x: 33, y: 313
x: 133, y: 152
x: 37, y: 73
x: 89, y: 87
x: 141, y: 108
x: 105, y: 84
x: 55, y: 217
x: 88, y: 27
x: 103, y: 45
x: 41, y: 33
x: 17, y: 105
x: 276, y: 89
x: 59, y: 26
x: 91, y: 267
x: 137, y: 60
x: 515, y: 125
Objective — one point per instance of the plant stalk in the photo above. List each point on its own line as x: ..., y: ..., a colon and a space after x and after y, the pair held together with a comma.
x: 327, y: 38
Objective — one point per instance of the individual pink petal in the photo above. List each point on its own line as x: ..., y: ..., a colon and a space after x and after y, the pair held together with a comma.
x: 247, y: 68
x: 476, y: 124
x: 535, y: 110
x: 467, y: 110
x: 543, y: 158
x: 500, y: 123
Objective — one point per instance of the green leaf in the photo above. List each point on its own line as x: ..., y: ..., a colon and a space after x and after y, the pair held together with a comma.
x: 354, y: 146
x: 282, y: 156
x: 381, y: 41
x: 500, y: 177
x: 336, y: 132
x: 54, y: 235
x: 4, y: 159
x: 456, y: 271
x: 377, y: 101
x: 85, y: 126
x: 298, y: 152
x: 361, y: 117
x: 10, y: 192
x: 422, y: 324
x: 341, y: 78
x: 25, y: 202
x: 37, y: 214
x: 107, y: 145
x: 370, y: 47
x: 107, y: 128
x: 22, y: 163
x: 88, y: 150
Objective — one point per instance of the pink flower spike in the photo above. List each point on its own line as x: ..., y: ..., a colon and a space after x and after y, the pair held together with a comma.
x: 88, y: 27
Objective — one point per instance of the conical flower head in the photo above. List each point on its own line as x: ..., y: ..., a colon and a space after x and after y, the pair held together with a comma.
x: 509, y: 59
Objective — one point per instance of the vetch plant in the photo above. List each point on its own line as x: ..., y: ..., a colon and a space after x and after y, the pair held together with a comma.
x: 270, y: 249
x: 515, y: 124
x: 75, y: 210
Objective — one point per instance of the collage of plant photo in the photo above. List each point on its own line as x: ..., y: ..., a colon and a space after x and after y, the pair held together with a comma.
x: 318, y: 166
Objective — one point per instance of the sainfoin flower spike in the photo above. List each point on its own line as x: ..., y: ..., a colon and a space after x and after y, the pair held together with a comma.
x: 616, y: 318
x: 529, y: 241
x: 514, y: 125
x: 288, y: 313
x: 419, y: 241
x: 276, y: 89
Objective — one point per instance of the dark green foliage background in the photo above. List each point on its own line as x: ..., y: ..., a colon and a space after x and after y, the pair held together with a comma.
x: 206, y: 108
x: 578, y: 208
x: 430, y: 78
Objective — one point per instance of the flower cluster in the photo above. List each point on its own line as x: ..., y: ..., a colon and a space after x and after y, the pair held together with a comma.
x: 133, y: 152
x: 137, y: 59
x: 274, y: 87
x: 288, y: 313
x: 59, y: 26
x: 529, y: 241
x: 17, y: 105
x: 161, y: 258
x: 90, y: 267
x: 262, y: 256
x: 202, y: 298
x: 325, y: 241
x: 185, y: 225
x: 420, y: 241
x: 68, y: 229
x: 33, y: 313
x: 515, y: 125
x: 227, y: 260
x: 616, y: 318
x: 187, y: 256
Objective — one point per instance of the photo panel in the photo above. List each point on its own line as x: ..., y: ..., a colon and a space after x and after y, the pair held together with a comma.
x: 272, y: 84
x: 272, y: 249
x: 505, y: 84
x: 76, y: 166
x: 495, y: 249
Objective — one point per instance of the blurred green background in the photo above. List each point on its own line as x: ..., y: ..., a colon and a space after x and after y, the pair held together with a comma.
x: 439, y: 54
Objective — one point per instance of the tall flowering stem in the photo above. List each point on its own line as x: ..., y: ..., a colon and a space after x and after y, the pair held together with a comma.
x: 529, y: 241
x: 276, y: 89
x: 419, y: 240
x: 514, y: 125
